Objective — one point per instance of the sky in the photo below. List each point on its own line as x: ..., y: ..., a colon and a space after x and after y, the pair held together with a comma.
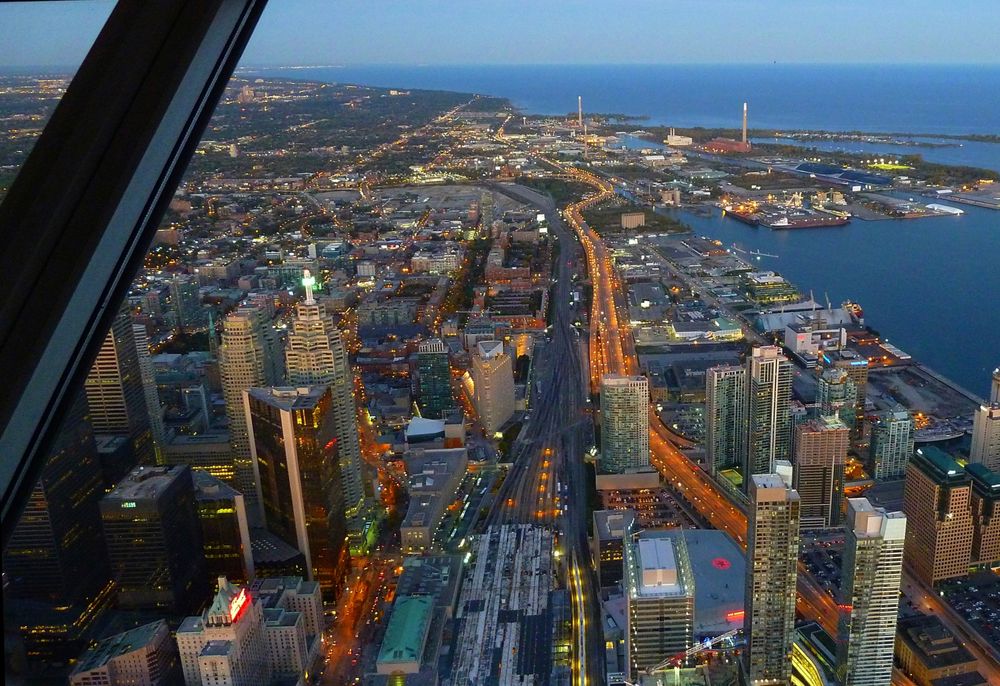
x: 335, y: 32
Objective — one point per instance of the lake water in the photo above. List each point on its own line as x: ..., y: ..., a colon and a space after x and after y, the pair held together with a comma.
x: 930, y: 285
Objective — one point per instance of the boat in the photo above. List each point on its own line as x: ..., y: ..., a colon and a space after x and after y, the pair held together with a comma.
x: 854, y: 310
x: 801, y: 221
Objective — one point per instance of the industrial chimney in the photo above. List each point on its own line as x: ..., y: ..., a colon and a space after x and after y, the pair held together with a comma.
x: 579, y: 111
x: 744, y: 124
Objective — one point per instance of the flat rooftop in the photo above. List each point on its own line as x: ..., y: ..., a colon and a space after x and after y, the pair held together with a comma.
x: 119, y: 644
x: 147, y: 483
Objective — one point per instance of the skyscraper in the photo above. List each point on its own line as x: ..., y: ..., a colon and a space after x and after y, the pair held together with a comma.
x: 837, y: 395
x: 939, y: 517
x: 891, y: 443
x: 659, y: 598
x: 149, y: 391
x: 185, y: 301
x: 624, y: 424
x: 995, y: 387
x: 820, y: 453
x: 986, y: 437
x: 857, y: 371
x: 225, y: 531
x: 154, y: 543
x: 116, y: 397
x: 493, y: 384
x: 243, y: 364
x: 316, y: 355
x: 302, y: 489
x: 769, y: 418
x: 872, y: 572
x: 772, y: 566
x: 726, y: 416
x: 433, y: 379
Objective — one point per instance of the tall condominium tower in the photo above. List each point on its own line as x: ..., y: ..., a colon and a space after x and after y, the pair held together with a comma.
x: 857, y: 371
x: 154, y: 541
x: 891, y: 443
x: 837, y: 395
x: 433, y: 379
x: 116, y: 397
x: 316, y: 355
x: 872, y: 572
x: 243, y: 363
x: 293, y: 439
x: 726, y: 416
x: 149, y: 391
x: 770, y: 424
x: 820, y: 453
x: 624, y: 424
x: 995, y: 387
x: 986, y: 437
x: 185, y: 301
x: 659, y: 599
x: 936, y: 502
x: 772, y: 565
x: 493, y: 384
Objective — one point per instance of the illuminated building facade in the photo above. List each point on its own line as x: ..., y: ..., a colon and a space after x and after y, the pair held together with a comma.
x: 225, y: 531
x: 143, y: 656
x: 769, y: 416
x: 984, y: 501
x: 493, y: 383
x: 298, y: 468
x: 891, y: 443
x: 772, y: 568
x: 434, y: 379
x: 624, y: 424
x: 316, y: 356
x: 820, y: 453
x: 986, y: 437
x: 871, y: 577
x: 725, y: 416
x: 659, y: 596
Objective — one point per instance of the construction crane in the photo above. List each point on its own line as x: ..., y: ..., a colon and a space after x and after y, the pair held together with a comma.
x: 676, y: 660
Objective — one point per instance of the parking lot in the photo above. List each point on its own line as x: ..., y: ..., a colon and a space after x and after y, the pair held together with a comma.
x: 977, y: 599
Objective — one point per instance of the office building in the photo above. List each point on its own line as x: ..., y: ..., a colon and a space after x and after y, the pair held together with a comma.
x: 768, y: 415
x: 611, y: 527
x: 891, y: 443
x: 772, y: 566
x: 659, y: 596
x: 930, y: 655
x: 225, y: 531
x: 153, y: 408
x: 493, y: 385
x: 837, y: 395
x: 210, y: 451
x: 434, y: 479
x: 316, y: 356
x: 433, y: 379
x: 725, y: 416
x: 299, y: 471
x: 986, y: 437
x: 244, y: 362
x: 153, y: 537
x: 144, y: 656
x: 624, y: 424
x: 984, y: 501
x: 116, y: 398
x: 872, y: 571
x: 185, y: 302
x: 820, y: 453
x: 939, y: 517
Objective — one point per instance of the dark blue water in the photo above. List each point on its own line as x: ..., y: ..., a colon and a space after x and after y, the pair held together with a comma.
x: 930, y: 285
x: 964, y: 153
x: 899, y: 98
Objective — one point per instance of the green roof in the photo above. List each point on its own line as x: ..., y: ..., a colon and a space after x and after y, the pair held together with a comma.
x: 988, y: 480
x: 407, y: 630
x: 941, y: 464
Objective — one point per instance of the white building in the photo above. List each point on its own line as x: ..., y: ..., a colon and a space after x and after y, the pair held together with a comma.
x: 246, y: 638
x: 872, y: 572
x: 769, y: 418
x: 986, y: 435
x: 144, y: 656
x: 892, y: 443
x: 624, y: 424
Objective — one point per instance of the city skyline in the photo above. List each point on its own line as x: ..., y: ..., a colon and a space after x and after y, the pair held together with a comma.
x: 918, y: 32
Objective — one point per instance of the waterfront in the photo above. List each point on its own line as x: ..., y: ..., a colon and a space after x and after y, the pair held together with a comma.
x: 928, y: 285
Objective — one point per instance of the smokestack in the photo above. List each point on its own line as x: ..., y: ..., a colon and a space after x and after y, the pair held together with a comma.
x: 744, y: 123
x: 579, y: 110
